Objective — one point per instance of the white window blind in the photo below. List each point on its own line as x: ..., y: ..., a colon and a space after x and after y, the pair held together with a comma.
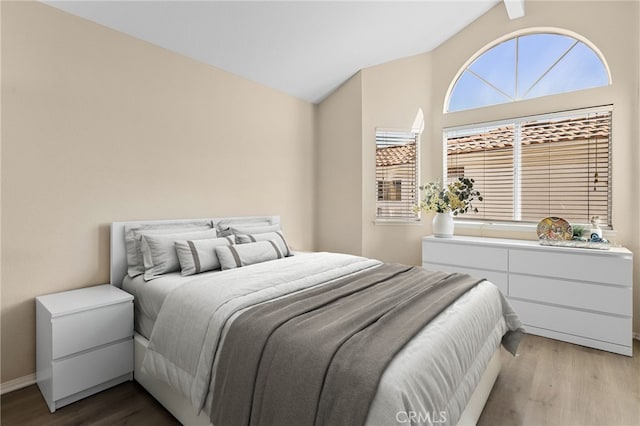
x: 529, y: 168
x: 396, y: 175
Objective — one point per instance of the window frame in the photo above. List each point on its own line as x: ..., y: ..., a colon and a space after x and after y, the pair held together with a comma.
x: 507, y: 37
x: 519, y: 225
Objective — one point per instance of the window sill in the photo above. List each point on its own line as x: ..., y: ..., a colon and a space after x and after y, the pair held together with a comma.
x: 512, y: 227
x: 495, y: 226
x: 395, y: 222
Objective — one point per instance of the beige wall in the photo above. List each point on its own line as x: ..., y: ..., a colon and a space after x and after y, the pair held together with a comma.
x: 1, y: 192
x: 99, y: 127
x: 339, y: 198
x: 392, y: 92
x: 634, y: 184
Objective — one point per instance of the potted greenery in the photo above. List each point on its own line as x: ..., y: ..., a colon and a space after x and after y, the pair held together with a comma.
x: 447, y: 201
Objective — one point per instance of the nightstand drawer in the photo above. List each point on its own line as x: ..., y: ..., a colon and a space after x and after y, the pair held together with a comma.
x: 609, y: 299
x: 87, y: 329
x: 77, y: 373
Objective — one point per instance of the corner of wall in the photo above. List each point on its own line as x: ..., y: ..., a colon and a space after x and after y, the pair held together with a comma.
x: 339, y: 175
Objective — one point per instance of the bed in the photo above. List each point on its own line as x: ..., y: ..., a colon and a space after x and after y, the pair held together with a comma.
x: 443, y: 375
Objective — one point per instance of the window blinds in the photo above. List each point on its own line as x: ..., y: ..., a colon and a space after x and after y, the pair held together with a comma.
x: 396, y: 175
x: 485, y: 154
x: 533, y: 167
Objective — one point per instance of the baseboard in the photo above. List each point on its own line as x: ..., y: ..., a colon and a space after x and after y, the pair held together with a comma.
x: 19, y: 383
x: 636, y: 336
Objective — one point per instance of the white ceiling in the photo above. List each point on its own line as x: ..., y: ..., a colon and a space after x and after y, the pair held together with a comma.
x: 303, y: 48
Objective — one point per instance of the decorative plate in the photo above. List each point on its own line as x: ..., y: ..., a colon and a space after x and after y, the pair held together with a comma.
x: 554, y: 228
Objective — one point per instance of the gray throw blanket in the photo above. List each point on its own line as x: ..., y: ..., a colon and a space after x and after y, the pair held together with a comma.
x: 316, y: 357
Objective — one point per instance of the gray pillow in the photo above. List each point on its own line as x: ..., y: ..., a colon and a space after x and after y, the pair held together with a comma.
x: 197, y: 256
x: 247, y: 254
x: 266, y: 236
x: 133, y: 237
x: 224, y: 226
x: 159, y: 251
x: 254, y: 229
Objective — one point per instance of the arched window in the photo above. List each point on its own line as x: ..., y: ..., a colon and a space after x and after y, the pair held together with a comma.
x: 526, y: 168
x: 525, y: 67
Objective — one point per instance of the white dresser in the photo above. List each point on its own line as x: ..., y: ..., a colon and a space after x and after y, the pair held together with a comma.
x: 84, y: 342
x: 581, y: 296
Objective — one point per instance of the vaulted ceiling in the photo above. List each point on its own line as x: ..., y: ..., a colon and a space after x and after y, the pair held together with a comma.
x: 303, y: 48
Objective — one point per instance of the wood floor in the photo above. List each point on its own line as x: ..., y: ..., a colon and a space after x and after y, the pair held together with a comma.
x: 549, y: 383
x: 557, y: 383
x: 125, y: 404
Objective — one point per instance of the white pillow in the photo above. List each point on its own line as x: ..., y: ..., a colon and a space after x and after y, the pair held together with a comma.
x: 266, y: 236
x: 133, y: 237
x: 247, y: 254
x: 197, y: 256
x: 159, y: 251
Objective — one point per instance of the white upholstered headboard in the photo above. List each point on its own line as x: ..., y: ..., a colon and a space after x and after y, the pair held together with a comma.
x: 119, y: 251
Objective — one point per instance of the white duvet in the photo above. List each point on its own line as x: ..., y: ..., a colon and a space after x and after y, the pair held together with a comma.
x: 434, y: 375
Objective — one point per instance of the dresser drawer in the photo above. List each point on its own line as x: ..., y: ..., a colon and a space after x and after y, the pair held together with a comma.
x: 609, y: 299
x: 87, y: 329
x: 581, y: 267
x: 469, y: 256
x: 500, y: 279
x: 578, y: 323
x: 81, y: 372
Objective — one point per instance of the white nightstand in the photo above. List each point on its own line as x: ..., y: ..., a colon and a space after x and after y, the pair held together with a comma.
x: 84, y: 342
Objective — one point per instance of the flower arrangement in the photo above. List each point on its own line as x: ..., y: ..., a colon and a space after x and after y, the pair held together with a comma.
x: 456, y: 197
